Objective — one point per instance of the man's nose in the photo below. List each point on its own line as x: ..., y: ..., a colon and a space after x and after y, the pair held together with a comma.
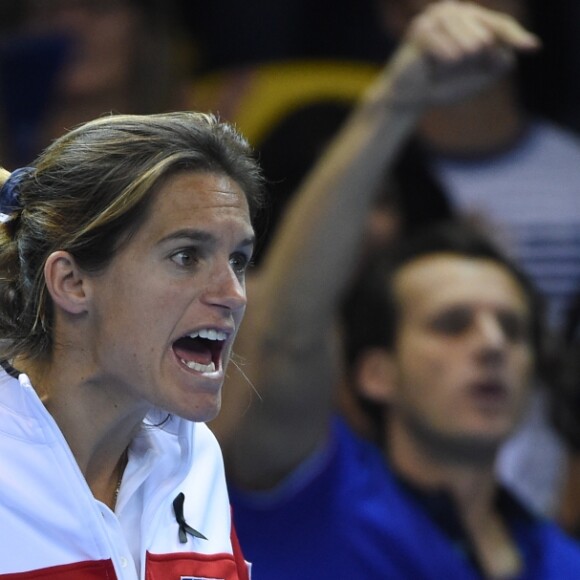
x: 491, y: 338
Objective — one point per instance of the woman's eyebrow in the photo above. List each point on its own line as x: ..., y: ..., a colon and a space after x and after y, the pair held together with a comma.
x: 195, y: 235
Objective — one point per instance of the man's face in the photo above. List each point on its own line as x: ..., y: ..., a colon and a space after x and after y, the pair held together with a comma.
x: 164, y: 313
x: 463, y: 355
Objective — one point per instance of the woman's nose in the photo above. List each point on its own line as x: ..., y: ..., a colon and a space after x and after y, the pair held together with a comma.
x: 226, y: 288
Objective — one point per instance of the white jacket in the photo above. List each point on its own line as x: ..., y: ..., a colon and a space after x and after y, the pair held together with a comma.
x: 51, y: 526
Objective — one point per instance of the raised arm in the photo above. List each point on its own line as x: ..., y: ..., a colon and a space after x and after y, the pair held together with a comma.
x: 285, y: 339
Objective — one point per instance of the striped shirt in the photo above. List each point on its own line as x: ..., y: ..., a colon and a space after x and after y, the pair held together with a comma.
x: 529, y: 195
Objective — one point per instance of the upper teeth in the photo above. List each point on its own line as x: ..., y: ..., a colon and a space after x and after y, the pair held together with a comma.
x: 209, y: 334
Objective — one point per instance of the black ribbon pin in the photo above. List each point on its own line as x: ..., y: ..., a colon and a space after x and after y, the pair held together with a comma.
x: 184, y: 527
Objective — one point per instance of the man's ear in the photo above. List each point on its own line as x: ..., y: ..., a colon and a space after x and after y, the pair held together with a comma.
x: 66, y: 282
x: 376, y: 375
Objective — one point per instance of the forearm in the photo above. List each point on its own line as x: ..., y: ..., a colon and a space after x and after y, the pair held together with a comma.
x: 311, y: 257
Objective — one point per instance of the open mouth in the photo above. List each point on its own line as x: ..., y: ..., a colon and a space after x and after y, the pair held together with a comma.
x: 201, y: 350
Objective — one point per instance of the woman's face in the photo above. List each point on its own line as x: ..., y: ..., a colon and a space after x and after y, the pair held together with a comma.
x: 164, y: 313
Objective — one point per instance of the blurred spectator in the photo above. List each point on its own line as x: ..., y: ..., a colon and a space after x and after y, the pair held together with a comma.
x: 260, y: 32
x: 517, y: 172
x: 63, y: 62
x: 504, y: 114
x: 291, y: 332
x: 442, y: 339
x: 286, y: 347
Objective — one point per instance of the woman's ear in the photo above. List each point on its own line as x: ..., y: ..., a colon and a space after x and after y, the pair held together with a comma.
x: 66, y: 282
x: 376, y: 375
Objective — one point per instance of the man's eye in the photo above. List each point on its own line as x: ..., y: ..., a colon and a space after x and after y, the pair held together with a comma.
x: 239, y: 262
x: 452, y: 323
x: 516, y: 328
x: 185, y: 258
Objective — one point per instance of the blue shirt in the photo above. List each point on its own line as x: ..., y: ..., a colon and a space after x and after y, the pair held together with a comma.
x: 349, y: 517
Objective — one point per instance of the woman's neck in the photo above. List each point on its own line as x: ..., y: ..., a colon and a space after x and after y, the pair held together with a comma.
x: 97, y: 427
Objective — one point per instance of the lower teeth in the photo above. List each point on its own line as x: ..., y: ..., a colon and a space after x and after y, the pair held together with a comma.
x: 209, y: 368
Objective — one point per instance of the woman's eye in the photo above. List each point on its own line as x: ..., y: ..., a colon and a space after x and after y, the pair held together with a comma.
x: 239, y: 262
x: 185, y: 258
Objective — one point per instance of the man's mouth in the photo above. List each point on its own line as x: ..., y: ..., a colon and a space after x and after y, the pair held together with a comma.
x: 491, y: 392
x: 201, y: 350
